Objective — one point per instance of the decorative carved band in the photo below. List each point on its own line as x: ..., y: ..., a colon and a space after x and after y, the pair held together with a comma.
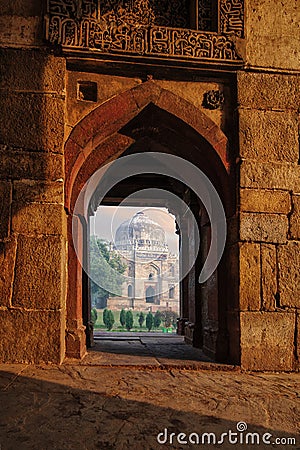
x: 133, y: 27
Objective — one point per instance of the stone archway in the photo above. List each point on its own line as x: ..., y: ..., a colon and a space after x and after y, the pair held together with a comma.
x: 107, y: 133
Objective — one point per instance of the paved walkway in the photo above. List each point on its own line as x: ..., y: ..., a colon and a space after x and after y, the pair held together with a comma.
x: 155, y: 350
x: 117, y: 403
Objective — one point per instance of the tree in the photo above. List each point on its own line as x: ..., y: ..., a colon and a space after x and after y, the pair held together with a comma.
x: 123, y: 318
x: 141, y: 319
x: 149, y: 321
x: 110, y: 320
x: 129, y: 320
x: 106, y: 269
x: 105, y: 315
x: 157, y: 319
x: 94, y: 316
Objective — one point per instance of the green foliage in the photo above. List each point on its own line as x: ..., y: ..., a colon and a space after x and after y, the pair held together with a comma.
x: 94, y: 316
x: 110, y: 320
x: 141, y: 319
x: 157, y: 319
x: 105, y: 314
x: 123, y: 318
x: 149, y: 321
x: 106, y: 269
x: 129, y: 320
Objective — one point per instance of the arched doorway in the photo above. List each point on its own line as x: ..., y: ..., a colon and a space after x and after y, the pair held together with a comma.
x: 150, y: 119
x: 150, y: 295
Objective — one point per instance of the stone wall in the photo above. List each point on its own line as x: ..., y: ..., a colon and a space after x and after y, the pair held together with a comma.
x: 32, y: 230
x: 269, y: 219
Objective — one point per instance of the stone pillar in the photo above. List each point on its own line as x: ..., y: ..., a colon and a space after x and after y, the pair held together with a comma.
x: 75, y: 332
x: 269, y: 246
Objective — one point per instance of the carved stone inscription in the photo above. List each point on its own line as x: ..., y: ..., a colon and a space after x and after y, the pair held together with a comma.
x: 140, y: 27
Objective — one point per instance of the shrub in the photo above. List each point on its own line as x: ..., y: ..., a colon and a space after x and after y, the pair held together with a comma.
x: 123, y: 318
x: 149, y: 321
x: 129, y: 320
x: 110, y: 320
x: 141, y: 319
x: 157, y: 319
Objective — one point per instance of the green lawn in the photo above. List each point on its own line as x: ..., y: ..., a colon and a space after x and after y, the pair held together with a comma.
x: 118, y: 328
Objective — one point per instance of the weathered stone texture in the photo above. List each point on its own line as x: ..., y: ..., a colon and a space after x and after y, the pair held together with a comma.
x: 263, y: 227
x: 25, y: 8
x: 19, y: 31
x: 268, y: 91
x: 295, y: 218
x: 249, y: 292
x: 252, y: 200
x: 17, y: 164
x: 27, y: 191
x: 7, y: 264
x: 273, y: 33
x: 40, y: 72
x: 259, y: 175
x: 269, y: 276
x: 269, y: 135
x: 40, y: 273
x: 31, y: 336
x: 289, y: 274
x: 267, y: 340
x: 38, y: 121
x: 5, y: 205
x: 38, y: 218
x: 108, y: 86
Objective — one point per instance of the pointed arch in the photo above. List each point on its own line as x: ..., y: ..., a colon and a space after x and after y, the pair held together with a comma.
x: 101, y: 128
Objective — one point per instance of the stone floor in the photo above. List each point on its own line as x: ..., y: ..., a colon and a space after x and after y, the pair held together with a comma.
x: 126, y: 392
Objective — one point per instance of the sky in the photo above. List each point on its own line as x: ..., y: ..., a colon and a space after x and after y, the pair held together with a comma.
x: 108, y: 218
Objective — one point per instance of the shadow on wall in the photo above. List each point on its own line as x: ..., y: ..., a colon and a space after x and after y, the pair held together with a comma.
x: 37, y: 414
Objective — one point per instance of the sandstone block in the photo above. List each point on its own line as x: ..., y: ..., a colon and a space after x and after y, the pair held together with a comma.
x: 40, y: 273
x: 263, y: 227
x: 289, y: 274
x: 252, y: 200
x: 269, y: 135
x: 38, y: 121
x: 5, y: 205
x: 269, y: 276
x: 40, y: 71
x: 268, y: 44
x: 267, y: 340
x: 268, y: 91
x: 249, y: 277
x: 38, y: 218
x: 27, y: 191
x: 295, y: 218
x: 31, y: 336
x: 19, y: 164
x: 7, y: 264
x: 258, y: 175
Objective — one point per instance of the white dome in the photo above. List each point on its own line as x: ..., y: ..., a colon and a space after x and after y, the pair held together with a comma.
x: 141, y: 233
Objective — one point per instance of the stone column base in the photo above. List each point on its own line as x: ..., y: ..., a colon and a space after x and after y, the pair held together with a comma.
x: 75, y: 340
